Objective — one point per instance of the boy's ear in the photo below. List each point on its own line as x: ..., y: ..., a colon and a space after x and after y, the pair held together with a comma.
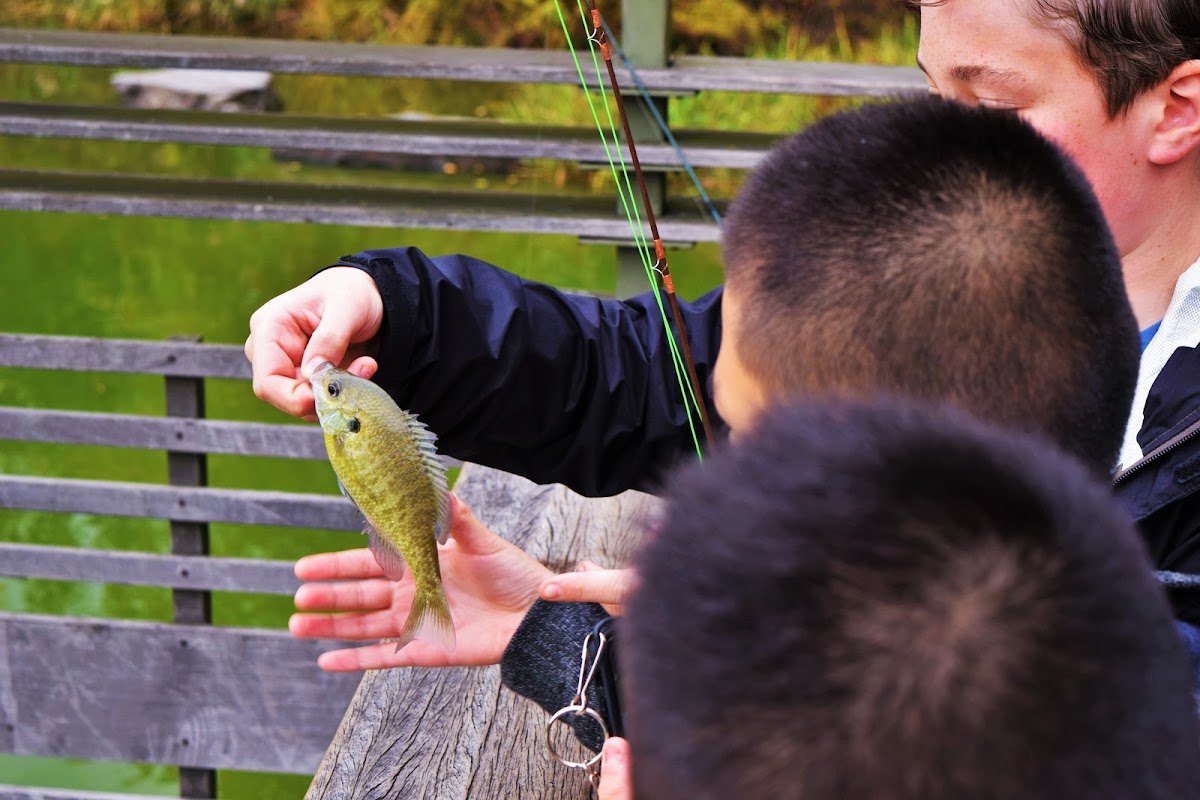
x: 1177, y: 132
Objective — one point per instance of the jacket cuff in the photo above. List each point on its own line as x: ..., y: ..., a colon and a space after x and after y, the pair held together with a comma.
x: 542, y: 660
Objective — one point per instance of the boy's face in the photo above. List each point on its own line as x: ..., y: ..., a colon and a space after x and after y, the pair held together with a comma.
x: 993, y: 53
x: 739, y: 396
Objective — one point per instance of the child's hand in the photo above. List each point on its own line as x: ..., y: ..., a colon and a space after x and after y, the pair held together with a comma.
x: 616, y: 774
x: 490, y: 584
x: 591, y: 583
x: 330, y: 317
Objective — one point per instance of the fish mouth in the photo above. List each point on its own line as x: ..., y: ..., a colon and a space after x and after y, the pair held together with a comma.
x: 320, y: 371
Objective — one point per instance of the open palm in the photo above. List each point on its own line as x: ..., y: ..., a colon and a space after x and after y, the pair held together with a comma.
x: 490, y: 584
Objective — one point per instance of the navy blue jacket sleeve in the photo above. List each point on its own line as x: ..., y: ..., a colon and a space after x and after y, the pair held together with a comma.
x: 520, y: 376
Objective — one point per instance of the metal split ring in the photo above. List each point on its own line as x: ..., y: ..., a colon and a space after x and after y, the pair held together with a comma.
x: 577, y: 710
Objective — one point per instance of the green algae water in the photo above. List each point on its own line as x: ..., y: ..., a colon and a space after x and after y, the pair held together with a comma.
x: 152, y: 278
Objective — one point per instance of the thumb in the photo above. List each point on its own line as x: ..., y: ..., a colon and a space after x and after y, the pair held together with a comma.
x: 616, y: 771
x: 469, y: 533
x: 331, y: 339
x: 609, y: 587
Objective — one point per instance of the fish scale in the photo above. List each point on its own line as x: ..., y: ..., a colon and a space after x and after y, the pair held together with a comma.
x: 387, y: 464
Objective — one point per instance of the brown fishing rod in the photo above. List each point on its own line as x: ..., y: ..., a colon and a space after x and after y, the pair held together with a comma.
x: 661, y: 267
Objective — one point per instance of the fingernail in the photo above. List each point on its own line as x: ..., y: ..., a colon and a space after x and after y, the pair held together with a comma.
x: 612, y: 755
x: 552, y: 592
x: 311, y: 366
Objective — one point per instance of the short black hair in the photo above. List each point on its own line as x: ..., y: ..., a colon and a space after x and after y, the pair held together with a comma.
x: 884, y: 602
x: 946, y: 253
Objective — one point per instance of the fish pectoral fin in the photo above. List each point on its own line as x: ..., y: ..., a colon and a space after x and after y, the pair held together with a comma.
x: 386, y: 554
x: 441, y: 526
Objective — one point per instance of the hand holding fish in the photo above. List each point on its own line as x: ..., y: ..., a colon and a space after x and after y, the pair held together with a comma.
x: 490, y: 584
x: 590, y: 583
x: 331, y: 317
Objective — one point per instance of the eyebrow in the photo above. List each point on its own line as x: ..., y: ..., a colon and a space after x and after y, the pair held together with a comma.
x: 969, y: 73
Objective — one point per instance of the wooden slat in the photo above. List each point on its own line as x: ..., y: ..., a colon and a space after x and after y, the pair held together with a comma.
x: 123, y: 355
x: 162, y: 433
x: 38, y: 793
x: 434, y: 137
x: 177, y: 502
x: 194, y: 695
x: 474, y: 739
x: 147, y: 569
x: 482, y: 210
x: 688, y: 73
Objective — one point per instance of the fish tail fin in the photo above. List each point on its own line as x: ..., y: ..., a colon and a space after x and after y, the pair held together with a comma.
x: 429, y: 619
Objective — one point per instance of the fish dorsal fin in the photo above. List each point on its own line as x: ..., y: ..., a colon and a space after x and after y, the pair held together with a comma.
x: 386, y: 554
x: 435, y: 468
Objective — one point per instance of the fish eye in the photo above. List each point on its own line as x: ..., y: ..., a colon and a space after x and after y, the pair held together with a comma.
x: 334, y: 389
x: 354, y: 426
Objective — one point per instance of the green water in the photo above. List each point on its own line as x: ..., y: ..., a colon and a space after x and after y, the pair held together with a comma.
x: 150, y: 278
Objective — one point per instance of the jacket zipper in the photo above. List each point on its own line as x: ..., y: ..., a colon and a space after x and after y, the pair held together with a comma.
x: 1165, y: 447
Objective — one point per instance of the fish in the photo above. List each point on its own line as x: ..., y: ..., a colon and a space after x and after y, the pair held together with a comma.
x: 387, y: 463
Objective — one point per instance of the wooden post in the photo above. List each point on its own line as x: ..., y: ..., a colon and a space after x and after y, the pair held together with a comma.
x: 185, y: 398
x: 643, y: 37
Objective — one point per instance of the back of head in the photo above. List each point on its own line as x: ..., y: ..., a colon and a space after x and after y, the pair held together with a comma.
x: 886, y: 603
x: 941, y: 252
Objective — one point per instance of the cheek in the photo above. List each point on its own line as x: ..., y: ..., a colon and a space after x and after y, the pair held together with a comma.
x: 1109, y: 162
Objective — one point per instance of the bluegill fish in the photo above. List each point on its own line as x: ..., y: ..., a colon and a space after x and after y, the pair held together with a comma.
x: 386, y: 463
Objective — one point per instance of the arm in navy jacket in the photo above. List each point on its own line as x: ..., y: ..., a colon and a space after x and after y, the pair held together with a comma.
x: 520, y: 376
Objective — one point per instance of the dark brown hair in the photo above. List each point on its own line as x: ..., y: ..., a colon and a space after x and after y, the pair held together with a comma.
x: 883, y: 602
x: 947, y: 253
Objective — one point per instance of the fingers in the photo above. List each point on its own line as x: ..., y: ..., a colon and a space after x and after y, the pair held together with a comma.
x: 316, y: 321
x: 353, y: 626
x: 383, y: 656
x: 351, y: 312
x: 595, y: 585
x: 345, y: 565
x: 363, y: 367
x: 616, y: 773
x: 361, y: 595
x: 273, y: 349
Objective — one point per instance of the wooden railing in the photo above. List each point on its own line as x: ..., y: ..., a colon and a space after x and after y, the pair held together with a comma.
x: 206, y: 697
x: 186, y: 693
x: 589, y: 217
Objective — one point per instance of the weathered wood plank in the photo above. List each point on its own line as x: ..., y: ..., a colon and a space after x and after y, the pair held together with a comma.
x: 162, y: 433
x: 147, y: 569
x: 198, y: 696
x: 39, y: 793
x: 688, y: 73
x: 182, y: 503
x: 433, y: 137
x: 123, y: 355
x: 490, y: 742
x: 373, y: 206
